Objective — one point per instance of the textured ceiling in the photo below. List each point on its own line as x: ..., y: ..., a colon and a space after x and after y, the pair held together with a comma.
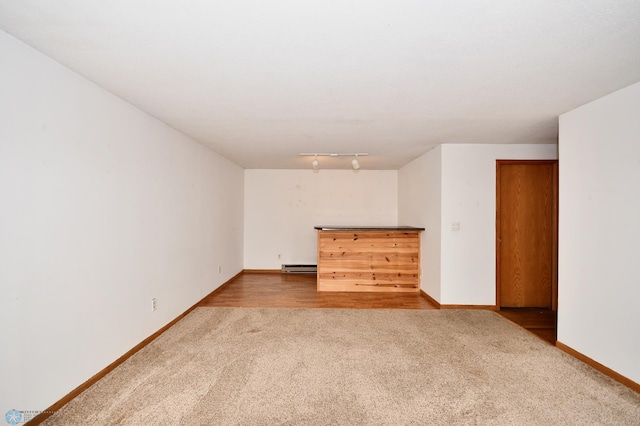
x: 259, y: 82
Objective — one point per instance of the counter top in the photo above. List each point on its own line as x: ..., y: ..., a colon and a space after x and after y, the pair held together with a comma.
x: 368, y: 228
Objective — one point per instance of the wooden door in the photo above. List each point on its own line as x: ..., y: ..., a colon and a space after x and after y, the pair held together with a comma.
x: 526, y: 240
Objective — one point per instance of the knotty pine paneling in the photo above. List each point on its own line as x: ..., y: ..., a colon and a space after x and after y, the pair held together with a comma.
x: 369, y: 261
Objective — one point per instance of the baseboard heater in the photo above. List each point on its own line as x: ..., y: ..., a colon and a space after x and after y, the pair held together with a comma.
x: 299, y: 269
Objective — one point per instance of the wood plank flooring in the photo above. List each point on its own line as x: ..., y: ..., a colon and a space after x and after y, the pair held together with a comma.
x: 541, y: 322
x: 277, y: 290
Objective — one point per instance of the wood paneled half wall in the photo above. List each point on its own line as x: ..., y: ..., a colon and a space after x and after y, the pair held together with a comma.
x: 369, y: 259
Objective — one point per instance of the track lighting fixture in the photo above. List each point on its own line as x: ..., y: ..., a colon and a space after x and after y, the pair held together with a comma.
x: 315, y: 164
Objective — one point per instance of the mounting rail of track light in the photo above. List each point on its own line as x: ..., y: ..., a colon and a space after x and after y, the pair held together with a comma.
x: 315, y: 164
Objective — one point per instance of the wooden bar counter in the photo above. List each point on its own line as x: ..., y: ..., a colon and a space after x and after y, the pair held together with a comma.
x: 380, y: 259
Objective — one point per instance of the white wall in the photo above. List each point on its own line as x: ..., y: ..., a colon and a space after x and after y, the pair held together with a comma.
x: 283, y: 206
x: 420, y: 204
x: 469, y: 197
x: 102, y: 208
x: 599, y: 279
x: 466, y: 177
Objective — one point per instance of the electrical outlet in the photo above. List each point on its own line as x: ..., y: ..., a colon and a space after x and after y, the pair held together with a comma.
x: 455, y: 226
x: 279, y: 256
x: 154, y: 304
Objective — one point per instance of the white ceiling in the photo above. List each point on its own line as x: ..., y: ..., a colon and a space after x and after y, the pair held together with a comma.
x: 261, y: 81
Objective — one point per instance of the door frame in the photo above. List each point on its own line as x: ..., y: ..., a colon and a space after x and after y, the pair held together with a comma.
x: 554, y: 237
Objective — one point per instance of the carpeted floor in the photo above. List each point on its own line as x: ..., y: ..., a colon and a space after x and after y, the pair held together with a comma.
x: 255, y: 366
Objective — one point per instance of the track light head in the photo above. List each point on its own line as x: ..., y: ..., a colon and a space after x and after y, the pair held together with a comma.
x: 355, y: 164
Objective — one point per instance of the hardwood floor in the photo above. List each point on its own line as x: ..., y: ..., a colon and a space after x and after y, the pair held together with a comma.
x: 541, y: 322
x: 276, y: 290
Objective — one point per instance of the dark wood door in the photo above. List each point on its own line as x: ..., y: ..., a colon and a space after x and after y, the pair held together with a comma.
x: 526, y: 234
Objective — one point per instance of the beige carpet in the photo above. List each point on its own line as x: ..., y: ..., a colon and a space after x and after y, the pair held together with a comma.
x: 261, y: 366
